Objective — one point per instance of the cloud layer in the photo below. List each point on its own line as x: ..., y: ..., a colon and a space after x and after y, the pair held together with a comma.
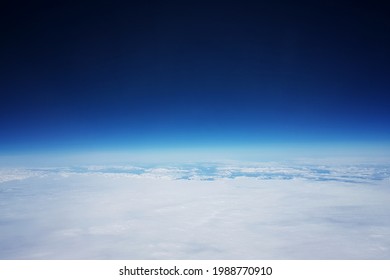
x: 196, y: 211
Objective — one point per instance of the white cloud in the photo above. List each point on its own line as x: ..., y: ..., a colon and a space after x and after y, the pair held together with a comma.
x: 247, y: 211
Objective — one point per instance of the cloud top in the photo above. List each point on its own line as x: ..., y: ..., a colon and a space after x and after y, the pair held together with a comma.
x: 196, y: 211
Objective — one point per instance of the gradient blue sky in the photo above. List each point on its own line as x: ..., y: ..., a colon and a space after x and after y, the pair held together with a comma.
x: 135, y: 75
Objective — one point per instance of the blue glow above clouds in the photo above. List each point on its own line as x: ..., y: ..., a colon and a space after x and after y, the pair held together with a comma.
x: 333, y: 153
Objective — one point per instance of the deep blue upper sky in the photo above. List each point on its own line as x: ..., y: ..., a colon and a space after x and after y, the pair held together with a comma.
x: 98, y: 74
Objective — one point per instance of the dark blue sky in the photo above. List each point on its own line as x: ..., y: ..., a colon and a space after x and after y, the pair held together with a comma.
x: 103, y: 75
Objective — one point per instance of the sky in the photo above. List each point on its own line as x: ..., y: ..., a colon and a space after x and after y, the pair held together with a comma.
x: 283, y: 102
x: 133, y: 75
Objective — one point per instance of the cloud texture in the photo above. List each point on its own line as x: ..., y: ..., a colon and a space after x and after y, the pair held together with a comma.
x: 196, y: 211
